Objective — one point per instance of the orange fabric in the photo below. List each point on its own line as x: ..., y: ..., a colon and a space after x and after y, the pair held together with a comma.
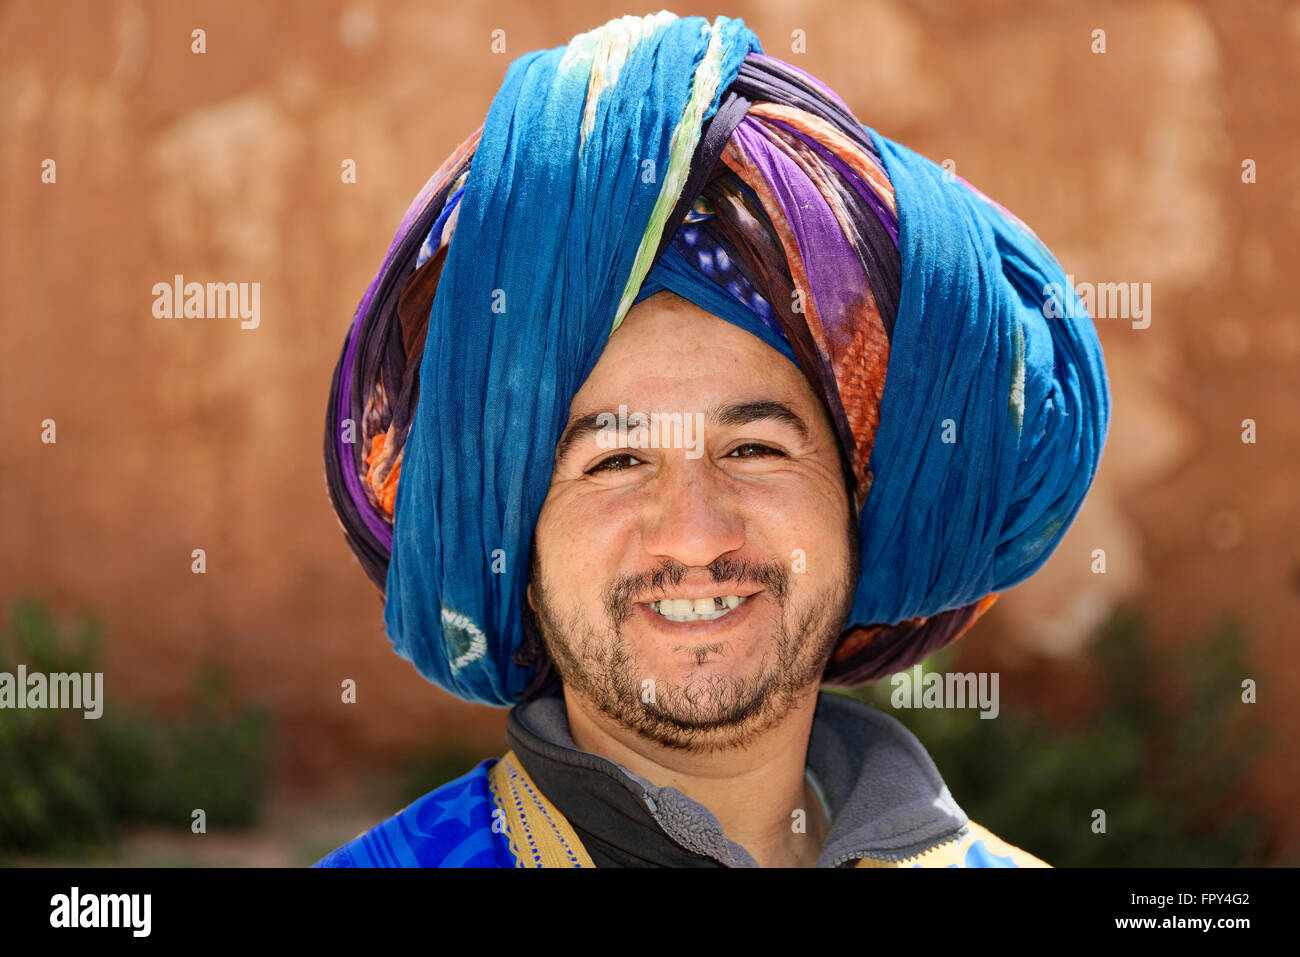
x: 384, y: 486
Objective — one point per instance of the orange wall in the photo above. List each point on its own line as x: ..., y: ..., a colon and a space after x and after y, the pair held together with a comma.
x: 174, y: 435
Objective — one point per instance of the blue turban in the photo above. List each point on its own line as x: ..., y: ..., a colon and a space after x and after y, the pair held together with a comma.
x: 670, y: 153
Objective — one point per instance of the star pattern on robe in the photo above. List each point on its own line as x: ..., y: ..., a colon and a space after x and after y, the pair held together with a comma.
x: 460, y: 805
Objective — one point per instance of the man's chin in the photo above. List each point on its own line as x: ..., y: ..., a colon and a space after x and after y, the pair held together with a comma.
x: 705, y: 712
x: 704, y: 667
x: 697, y: 689
x: 703, y: 675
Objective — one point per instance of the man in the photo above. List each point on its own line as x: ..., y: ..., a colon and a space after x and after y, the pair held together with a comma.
x: 719, y: 402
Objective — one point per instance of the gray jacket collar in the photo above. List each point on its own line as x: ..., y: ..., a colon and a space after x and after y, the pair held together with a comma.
x: 885, y: 796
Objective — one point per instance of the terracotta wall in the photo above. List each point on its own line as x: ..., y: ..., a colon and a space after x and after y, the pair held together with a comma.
x: 182, y: 434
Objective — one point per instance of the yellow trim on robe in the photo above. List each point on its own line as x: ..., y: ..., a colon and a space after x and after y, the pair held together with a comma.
x: 549, y: 840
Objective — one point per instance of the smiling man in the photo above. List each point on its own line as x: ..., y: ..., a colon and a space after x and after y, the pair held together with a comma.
x: 659, y: 218
x: 689, y: 652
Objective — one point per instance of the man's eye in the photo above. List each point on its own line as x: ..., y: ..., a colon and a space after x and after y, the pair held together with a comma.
x: 605, y: 466
x: 760, y: 451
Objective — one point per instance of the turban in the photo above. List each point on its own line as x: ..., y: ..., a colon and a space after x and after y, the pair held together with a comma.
x: 969, y: 400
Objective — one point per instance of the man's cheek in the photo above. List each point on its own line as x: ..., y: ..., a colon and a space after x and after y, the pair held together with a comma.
x: 581, y: 567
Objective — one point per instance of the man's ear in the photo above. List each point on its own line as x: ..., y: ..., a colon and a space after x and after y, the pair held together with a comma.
x: 529, y: 593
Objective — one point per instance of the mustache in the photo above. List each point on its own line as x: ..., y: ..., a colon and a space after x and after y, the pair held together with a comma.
x: 619, y: 597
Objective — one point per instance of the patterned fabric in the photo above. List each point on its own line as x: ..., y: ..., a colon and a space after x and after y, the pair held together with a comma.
x: 495, y: 816
x: 456, y: 825
x: 670, y: 153
x: 539, y: 834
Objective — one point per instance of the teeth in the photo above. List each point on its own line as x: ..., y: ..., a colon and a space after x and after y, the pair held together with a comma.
x: 701, y: 609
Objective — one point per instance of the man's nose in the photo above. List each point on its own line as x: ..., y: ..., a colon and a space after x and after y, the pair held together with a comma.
x: 691, y: 515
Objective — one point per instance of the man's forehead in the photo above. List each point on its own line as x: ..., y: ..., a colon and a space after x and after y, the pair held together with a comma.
x: 673, y: 350
x: 668, y: 314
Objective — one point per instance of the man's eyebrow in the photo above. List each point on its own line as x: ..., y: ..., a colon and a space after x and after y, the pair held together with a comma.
x: 743, y: 413
x: 740, y: 413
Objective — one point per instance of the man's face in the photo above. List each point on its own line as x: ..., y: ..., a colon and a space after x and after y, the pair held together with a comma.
x: 753, y: 509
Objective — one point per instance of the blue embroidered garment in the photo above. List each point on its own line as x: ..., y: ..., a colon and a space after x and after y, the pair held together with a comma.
x: 886, y: 802
x: 450, y: 826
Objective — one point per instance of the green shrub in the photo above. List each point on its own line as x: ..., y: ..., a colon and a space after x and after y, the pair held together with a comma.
x: 69, y: 785
x: 1164, y: 773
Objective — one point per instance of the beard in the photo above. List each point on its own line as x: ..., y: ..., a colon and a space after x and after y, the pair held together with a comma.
x: 704, y: 713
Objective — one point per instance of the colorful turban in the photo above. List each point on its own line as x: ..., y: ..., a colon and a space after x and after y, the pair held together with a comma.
x: 670, y: 153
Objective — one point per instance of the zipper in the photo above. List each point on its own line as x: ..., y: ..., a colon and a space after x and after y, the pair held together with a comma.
x: 887, y: 857
x: 905, y: 854
x: 672, y: 834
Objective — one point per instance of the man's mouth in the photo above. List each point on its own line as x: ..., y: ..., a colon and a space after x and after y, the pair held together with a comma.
x: 697, y: 609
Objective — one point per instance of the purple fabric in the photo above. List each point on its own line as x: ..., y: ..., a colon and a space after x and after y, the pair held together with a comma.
x: 835, y: 273
x: 883, y: 212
